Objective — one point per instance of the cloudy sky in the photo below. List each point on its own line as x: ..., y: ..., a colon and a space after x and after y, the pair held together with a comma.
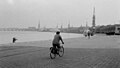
x: 25, y: 13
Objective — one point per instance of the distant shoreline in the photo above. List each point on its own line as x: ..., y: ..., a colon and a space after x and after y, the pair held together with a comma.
x: 6, y: 37
x: 97, y: 41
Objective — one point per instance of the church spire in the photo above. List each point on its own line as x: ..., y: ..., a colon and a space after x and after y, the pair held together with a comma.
x: 94, y: 11
x: 39, y: 25
x: 69, y: 24
x: 61, y: 26
x: 86, y: 24
x: 93, y: 20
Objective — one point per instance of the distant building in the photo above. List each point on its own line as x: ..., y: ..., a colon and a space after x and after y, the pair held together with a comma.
x: 32, y: 28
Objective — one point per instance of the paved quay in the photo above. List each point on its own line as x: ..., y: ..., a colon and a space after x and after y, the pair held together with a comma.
x: 97, y: 52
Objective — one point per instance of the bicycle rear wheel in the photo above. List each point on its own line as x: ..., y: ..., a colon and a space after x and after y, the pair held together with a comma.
x: 52, y: 56
x: 61, y: 51
x: 52, y: 53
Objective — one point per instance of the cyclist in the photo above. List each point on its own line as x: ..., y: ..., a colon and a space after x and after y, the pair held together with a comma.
x: 56, y: 40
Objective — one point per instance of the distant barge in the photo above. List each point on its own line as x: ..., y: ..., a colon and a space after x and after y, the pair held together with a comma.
x: 110, y: 30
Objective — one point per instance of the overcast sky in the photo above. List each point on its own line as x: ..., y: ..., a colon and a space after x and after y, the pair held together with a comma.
x: 26, y: 13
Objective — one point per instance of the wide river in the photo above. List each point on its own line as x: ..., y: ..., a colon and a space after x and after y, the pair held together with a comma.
x: 25, y: 36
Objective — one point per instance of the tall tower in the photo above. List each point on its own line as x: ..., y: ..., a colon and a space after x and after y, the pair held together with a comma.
x: 93, y: 20
x: 39, y: 25
x: 57, y: 26
x: 61, y: 26
x: 86, y: 25
x: 69, y: 24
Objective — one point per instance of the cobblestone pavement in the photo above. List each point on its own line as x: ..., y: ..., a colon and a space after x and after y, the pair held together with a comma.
x: 36, y: 57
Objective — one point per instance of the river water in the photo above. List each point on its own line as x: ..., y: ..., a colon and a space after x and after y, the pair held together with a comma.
x: 26, y: 36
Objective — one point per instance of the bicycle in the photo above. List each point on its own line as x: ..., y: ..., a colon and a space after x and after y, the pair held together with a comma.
x: 55, y: 51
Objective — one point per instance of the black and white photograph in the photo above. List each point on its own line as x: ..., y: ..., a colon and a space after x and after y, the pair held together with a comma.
x: 59, y: 33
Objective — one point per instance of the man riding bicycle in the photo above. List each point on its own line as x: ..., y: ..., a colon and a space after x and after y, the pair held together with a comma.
x: 56, y: 40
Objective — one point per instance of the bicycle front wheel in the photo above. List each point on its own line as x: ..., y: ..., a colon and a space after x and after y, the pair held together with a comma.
x: 61, y: 51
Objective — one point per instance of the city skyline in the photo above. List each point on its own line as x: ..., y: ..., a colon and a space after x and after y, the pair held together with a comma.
x: 26, y: 13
